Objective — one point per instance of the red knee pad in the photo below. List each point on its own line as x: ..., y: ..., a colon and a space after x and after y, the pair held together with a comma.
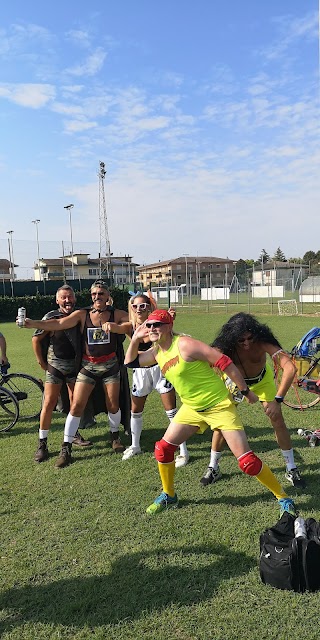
x: 250, y: 463
x: 164, y: 451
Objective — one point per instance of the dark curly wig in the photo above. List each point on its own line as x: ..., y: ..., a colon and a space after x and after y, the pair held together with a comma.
x: 239, y: 324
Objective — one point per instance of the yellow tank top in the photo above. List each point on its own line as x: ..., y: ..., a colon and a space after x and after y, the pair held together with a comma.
x: 197, y: 384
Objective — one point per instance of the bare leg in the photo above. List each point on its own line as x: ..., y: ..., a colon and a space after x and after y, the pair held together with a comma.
x: 252, y: 465
x: 170, y: 405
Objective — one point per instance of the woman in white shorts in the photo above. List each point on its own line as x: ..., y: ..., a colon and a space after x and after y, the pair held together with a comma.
x: 145, y: 380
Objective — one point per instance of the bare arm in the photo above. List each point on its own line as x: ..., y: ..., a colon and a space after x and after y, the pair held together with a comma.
x: 37, y: 350
x: 57, y: 324
x: 191, y: 349
x: 146, y: 358
x: 3, y: 349
x: 282, y: 359
x: 125, y: 327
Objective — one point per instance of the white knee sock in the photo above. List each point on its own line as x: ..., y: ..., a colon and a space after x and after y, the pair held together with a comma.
x: 114, y: 421
x: 171, y: 413
x: 183, y: 449
x: 43, y: 434
x: 71, y: 427
x: 289, y: 458
x: 136, y: 428
x: 214, y: 459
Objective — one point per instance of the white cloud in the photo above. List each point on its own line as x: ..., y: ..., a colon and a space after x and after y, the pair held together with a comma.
x: 91, y: 66
x: 30, y: 95
x: 78, y: 36
x: 76, y: 126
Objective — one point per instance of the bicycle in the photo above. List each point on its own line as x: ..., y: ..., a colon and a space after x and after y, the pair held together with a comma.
x: 9, y: 409
x: 304, y: 383
x: 26, y: 389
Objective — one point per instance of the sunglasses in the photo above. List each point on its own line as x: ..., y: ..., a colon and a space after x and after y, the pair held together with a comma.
x: 154, y: 325
x: 243, y: 340
x: 99, y: 294
x: 141, y: 307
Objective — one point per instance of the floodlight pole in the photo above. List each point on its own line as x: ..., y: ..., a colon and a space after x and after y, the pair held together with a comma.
x: 36, y: 222
x: 69, y: 207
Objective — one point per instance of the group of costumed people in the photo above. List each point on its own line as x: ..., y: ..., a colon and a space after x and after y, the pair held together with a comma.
x: 202, y: 376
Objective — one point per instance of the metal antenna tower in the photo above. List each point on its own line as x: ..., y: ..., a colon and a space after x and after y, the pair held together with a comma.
x: 105, y: 250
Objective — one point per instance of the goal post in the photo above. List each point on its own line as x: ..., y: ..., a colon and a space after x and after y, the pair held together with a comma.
x: 287, y: 308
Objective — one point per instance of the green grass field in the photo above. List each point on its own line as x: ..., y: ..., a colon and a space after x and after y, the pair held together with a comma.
x: 80, y: 558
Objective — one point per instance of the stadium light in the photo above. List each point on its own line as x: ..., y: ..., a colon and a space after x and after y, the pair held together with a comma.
x: 69, y: 207
x: 36, y: 222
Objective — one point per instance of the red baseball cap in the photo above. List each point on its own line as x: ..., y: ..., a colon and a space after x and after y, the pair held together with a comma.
x: 160, y: 315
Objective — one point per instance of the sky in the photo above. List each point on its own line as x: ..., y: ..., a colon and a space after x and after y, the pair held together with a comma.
x: 205, y: 113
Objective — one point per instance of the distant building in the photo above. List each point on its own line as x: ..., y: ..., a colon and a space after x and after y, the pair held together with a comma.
x: 80, y: 266
x: 200, y: 271
x: 274, y: 273
x: 7, y: 269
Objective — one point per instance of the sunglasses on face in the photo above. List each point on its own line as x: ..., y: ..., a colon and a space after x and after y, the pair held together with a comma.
x: 98, y: 294
x: 243, y: 340
x: 140, y: 307
x: 154, y: 325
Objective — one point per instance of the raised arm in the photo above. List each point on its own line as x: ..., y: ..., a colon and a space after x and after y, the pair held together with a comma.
x: 191, y: 349
x: 133, y: 359
x: 56, y: 324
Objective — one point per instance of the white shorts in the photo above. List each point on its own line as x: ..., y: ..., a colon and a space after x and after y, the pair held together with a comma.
x: 144, y: 380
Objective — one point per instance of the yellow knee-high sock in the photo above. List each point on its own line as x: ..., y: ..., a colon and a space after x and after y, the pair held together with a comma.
x: 166, y: 470
x: 269, y: 480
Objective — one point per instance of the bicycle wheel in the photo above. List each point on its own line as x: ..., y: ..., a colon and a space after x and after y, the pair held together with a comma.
x: 28, y: 391
x: 9, y: 409
x: 296, y: 397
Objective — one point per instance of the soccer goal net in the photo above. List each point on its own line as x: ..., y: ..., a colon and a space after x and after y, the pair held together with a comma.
x: 287, y: 308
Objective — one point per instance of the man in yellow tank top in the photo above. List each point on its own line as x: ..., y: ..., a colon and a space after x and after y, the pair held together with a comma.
x: 190, y: 367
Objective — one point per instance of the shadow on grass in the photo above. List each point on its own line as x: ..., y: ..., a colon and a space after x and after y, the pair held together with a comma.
x: 144, y: 581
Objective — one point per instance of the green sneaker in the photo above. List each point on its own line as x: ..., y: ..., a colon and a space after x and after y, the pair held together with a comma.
x: 287, y: 504
x: 162, y: 502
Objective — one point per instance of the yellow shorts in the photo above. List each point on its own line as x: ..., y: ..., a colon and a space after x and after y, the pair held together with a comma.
x: 266, y: 388
x: 222, y: 416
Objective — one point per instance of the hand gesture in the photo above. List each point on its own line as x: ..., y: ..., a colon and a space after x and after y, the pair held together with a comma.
x: 141, y: 332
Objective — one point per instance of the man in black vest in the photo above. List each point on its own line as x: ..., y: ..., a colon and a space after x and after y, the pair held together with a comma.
x: 56, y: 353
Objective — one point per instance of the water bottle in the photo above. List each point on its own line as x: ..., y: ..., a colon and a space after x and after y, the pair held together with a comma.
x: 21, y: 316
x: 300, y: 528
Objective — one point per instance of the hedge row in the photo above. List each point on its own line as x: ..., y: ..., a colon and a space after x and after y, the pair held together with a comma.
x: 38, y: 305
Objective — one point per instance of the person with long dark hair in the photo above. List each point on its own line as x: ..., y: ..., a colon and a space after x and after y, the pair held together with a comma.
x: 248, y: 342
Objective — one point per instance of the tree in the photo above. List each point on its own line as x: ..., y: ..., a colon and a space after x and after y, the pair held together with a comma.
x: 264, y: 256
x: 310, y: 256
x: 279, y: 256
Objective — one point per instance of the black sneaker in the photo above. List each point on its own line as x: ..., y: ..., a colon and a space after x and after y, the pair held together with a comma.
x: 295, y: 478
x: 42, y: 452
x: 65, y: 456
x: 211, y: 476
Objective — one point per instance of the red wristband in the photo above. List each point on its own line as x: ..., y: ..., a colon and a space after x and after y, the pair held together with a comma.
x: 223, y: 362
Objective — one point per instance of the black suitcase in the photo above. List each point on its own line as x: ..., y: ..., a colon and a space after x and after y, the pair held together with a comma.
x: 287, y: 562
